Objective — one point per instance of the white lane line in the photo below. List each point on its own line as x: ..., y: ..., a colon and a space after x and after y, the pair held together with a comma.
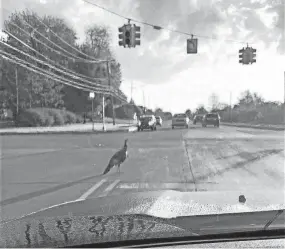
x: 91, y: 190
x: 109, y: 188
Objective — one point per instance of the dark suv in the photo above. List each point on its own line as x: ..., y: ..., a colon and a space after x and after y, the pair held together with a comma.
x: 198, y: 118
x: 211, y: 119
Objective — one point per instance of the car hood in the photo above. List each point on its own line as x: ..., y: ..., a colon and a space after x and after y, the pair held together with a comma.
x: 135, y: 214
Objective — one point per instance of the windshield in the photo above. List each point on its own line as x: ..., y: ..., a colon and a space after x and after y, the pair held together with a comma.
x: 180, y: 116
x: 145, y: 118
x: 212, y: 115
x: 78, y: 76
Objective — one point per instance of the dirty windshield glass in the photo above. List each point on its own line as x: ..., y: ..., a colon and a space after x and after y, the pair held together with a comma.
x: 80, y: 84
x: 212, y: 115
x: 180, y: 116
x: 145, y: 118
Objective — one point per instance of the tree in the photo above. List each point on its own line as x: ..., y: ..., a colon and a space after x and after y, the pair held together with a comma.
x: 246, y: 99
x: 201, y: 110
x: 214, y: 101
x: 36, y: 90
x: 158, y: 110
x: 188, y: 113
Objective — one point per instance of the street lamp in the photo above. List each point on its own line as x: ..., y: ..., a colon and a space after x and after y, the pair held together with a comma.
x: 92, y: 96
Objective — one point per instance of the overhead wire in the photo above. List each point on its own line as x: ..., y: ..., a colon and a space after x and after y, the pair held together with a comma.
x: 163, y: 28
x: 56, y: 45
x: 44, y: 74
x: 51, y: 74
x: 60, y: 79
x: 50, y: 66
x: 51, y: 61
x: 74, y: 48
x: 117, y: 91
x: 54, y: 50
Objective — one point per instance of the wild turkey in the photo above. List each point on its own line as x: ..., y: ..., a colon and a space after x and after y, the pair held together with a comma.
x: 118, y: 158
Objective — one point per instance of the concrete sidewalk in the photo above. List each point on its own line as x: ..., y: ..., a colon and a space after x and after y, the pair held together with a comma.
x: 73, y: 128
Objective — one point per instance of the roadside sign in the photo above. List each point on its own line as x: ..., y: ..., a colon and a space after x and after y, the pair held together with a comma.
x: 91, y: 95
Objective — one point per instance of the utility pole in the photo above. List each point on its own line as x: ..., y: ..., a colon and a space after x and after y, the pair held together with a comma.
x: 144, y: 100
x: 109, y: 81
x: 17, y: 91
x: 132, y: 90
x: 230, y: 106
x: 103, y: 112
x: 92, y: 114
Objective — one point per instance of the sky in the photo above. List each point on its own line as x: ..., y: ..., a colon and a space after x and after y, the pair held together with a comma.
x: 161, y: 72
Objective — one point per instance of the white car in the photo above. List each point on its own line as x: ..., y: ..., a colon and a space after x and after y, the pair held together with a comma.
x: 180, y: 119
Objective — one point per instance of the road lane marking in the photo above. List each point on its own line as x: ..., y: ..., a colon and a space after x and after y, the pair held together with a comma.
x: 109, y: 188
x: 91, y: 190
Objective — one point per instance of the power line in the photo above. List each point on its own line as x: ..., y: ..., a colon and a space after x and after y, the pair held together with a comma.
x: 93, y: 58
x: 60, y: 79
x: 160, y: 27
x: 44, y: 74
x: 51, y: 74
x: 51, y: 61
x: 56, y: 51
x: 34, y: 29
x: 50, y: 66
x: 50, y: 30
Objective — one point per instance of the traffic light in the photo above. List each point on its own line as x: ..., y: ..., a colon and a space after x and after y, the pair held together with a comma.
x: 242, y: 56
x: 125, y: 35
x: 192, y: 46
x: 121, y: 36
x: 136, y: 34
x: 253, y: 55
x: 247, y: 55
x: 128, y: 33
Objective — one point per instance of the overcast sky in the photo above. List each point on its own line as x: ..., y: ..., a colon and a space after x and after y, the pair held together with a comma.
x: 169, y: 77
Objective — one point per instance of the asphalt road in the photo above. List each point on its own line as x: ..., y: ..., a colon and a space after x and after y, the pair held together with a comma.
x: 39, y: 171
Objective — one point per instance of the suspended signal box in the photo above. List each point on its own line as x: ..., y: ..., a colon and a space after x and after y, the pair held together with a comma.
x: 247, y: 55
x: 192, y: 46
x: 129, y: 35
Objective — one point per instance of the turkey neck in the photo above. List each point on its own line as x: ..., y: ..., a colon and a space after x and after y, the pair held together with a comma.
x: 125, y: 146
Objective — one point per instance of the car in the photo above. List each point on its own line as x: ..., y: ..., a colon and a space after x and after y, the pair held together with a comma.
x: 158, y: 120
x: 180, y: 119
x: 211, y: 119
x: 198, y: 118
x: 147, y: 122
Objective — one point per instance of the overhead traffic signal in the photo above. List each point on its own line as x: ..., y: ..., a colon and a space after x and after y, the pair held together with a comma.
x: 136, y: 34
x: 192, y: 46
x: 252, y: 55
x: 121, y: 36
x: 247, y: 55
x: 242, y: 56
x: 125, y: 35
x: 128, y: 35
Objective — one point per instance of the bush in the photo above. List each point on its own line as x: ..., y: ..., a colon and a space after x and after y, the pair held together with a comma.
x: 57, y: 115
x: 47, y: 117
x: 34, y: 118
x: 68, y: 117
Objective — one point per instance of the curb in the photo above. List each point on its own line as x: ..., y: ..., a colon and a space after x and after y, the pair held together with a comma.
x: 120, y: 130
x: 256, y: 127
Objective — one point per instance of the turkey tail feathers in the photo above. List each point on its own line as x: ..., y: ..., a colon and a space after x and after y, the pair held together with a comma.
x: 107, y: 169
